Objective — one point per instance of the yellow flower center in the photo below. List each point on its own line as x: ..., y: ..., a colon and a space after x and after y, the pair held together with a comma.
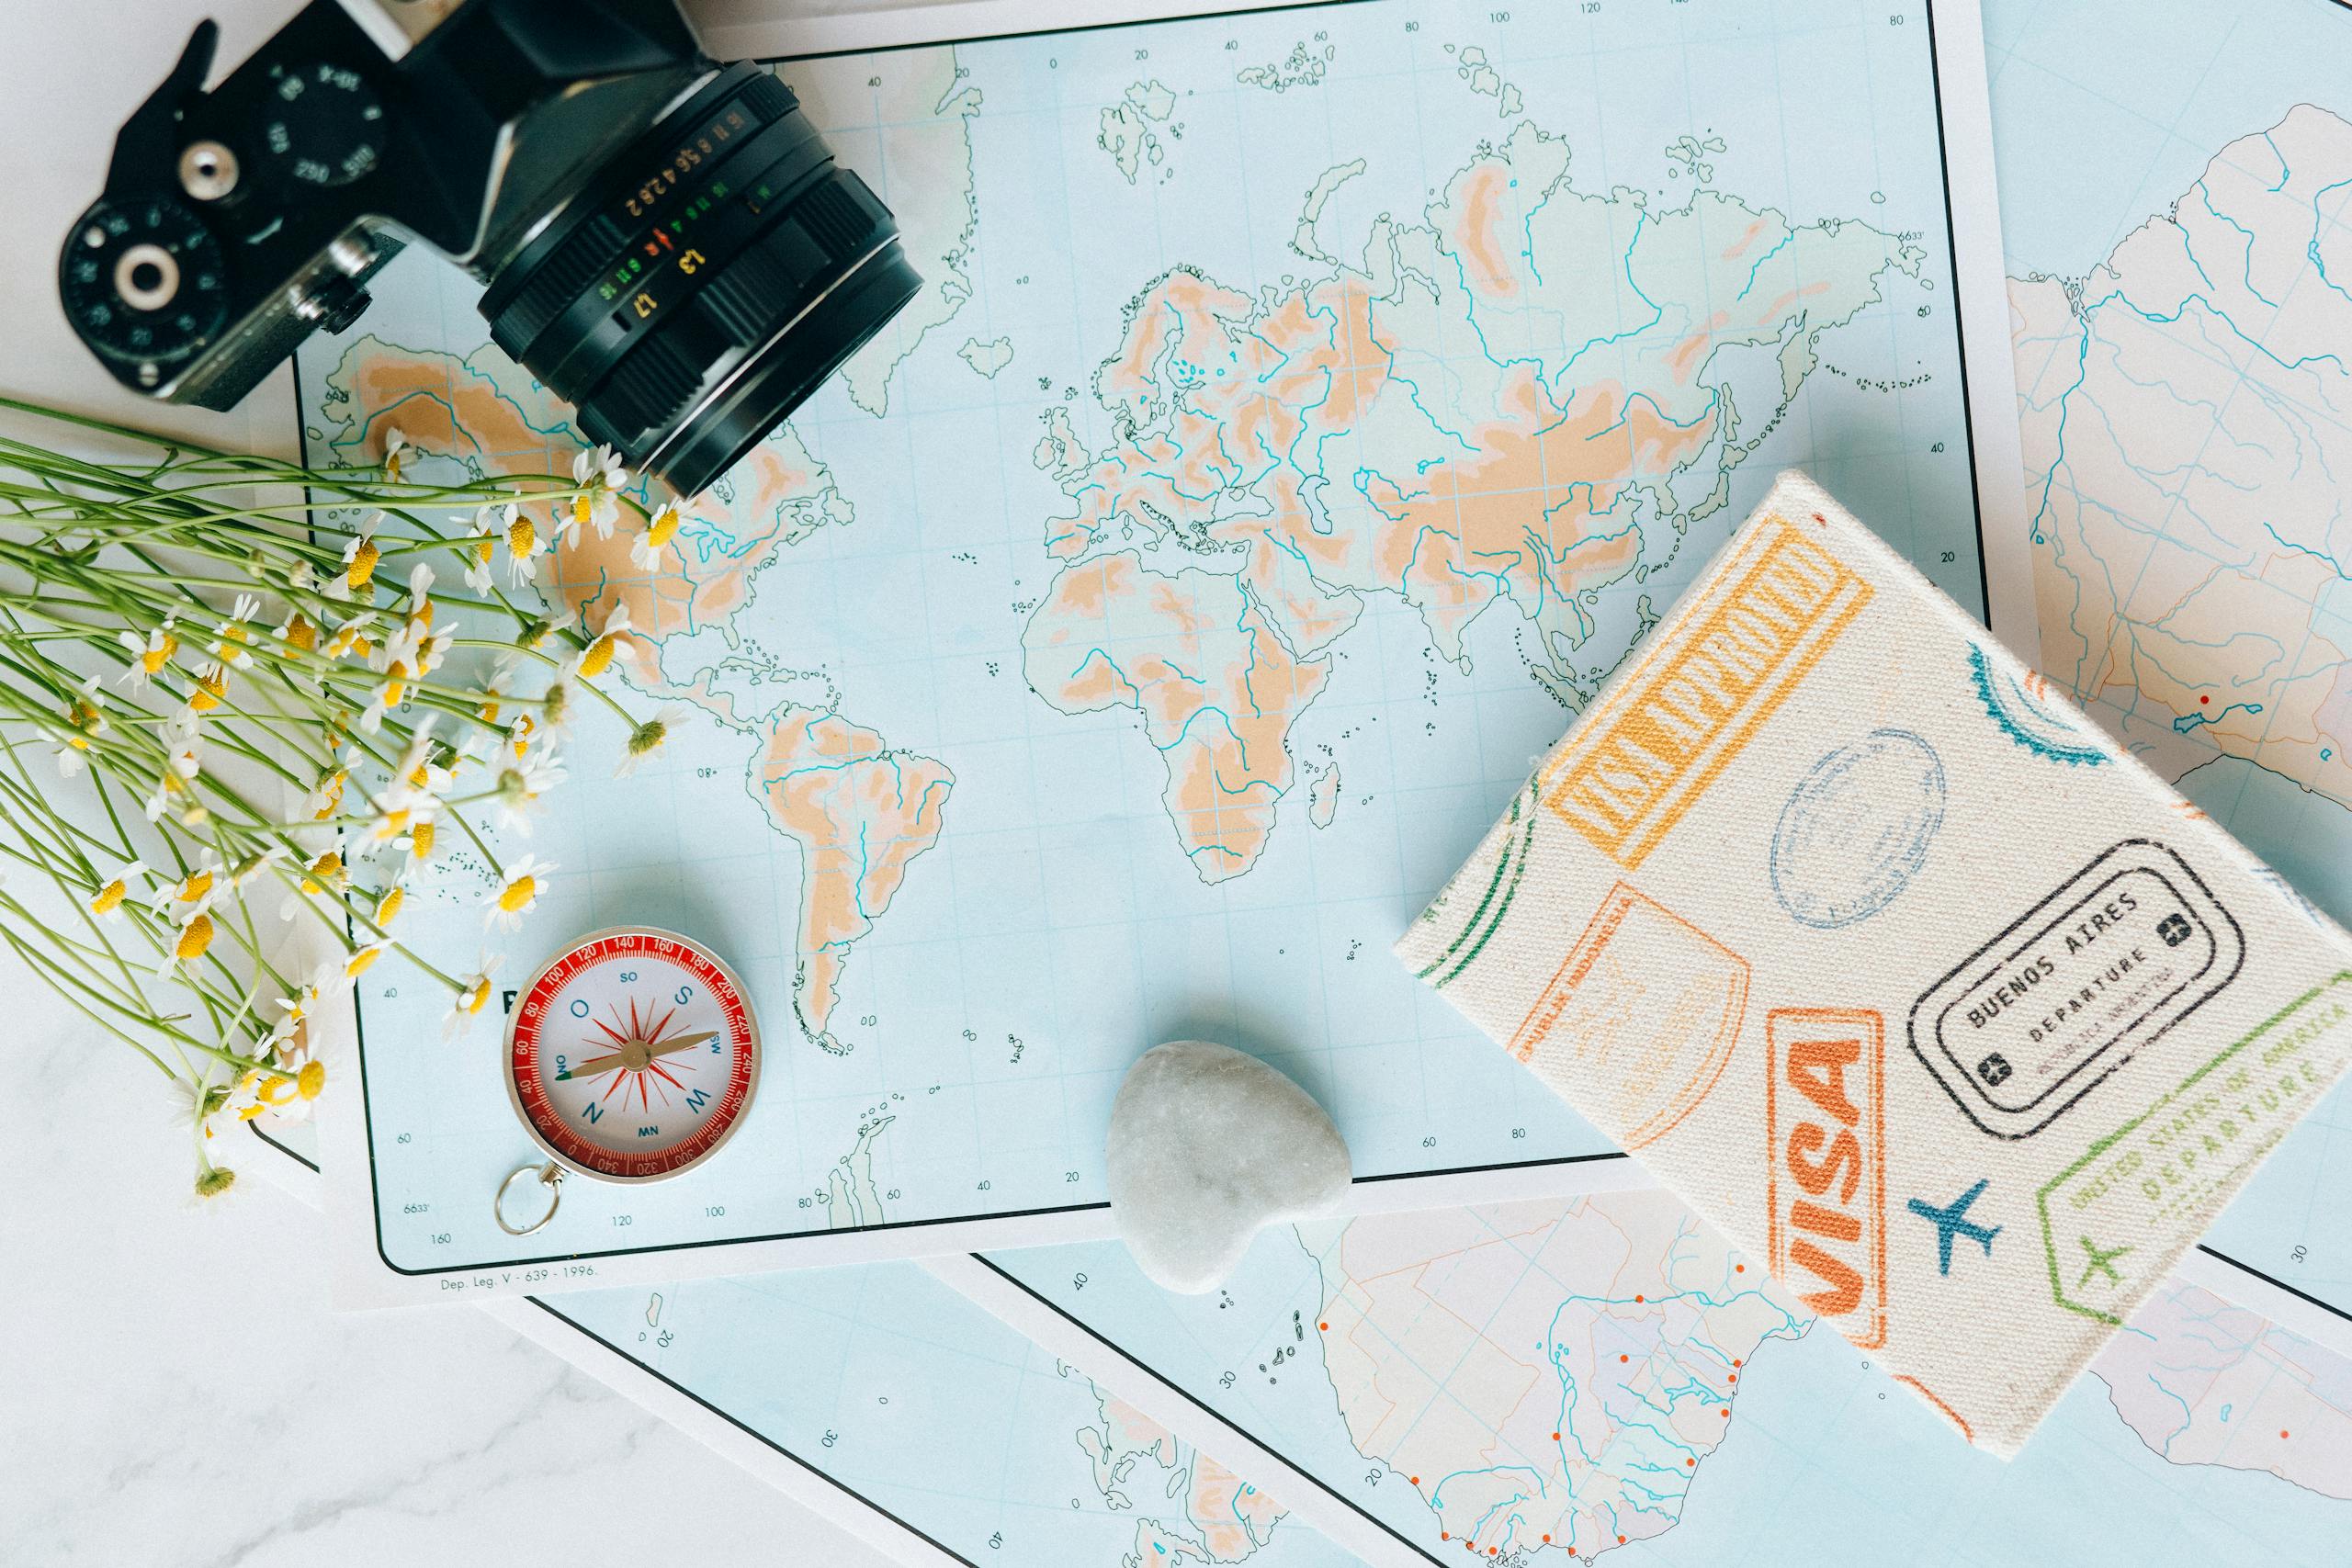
x: 310, y: 1080
x: 328, y: 865
x: 665, y: 526
x: 159, y: 653
x: 111, y: 897
x: 483, y: 549
x: 332, y: 799
x: 361, y: 960
x: 363, y: 564
x: 196, y: 888
x: 392, y: 466
x: 522, y: 537
x: 519, y: 894
x: 388, y: 906
x: 599, y: 656
x: 393, y: 821
x: 420, y: 840
x: 488, y: 709
x: 83, y: 715
x: 581, y: 508
x: 475, y: 995
x: 194, y: 937
x: 300, y: 634
x: 209, y: 688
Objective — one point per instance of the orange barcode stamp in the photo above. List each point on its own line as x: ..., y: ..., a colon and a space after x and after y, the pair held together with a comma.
x: 1825, y: 1128
x: 1706, y: 682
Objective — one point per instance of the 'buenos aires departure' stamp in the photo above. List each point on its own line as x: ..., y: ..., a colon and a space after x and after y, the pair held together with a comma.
x: 2028, y: 1023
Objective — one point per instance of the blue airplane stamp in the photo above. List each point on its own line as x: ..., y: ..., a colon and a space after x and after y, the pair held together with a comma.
x: 1952, y: 1221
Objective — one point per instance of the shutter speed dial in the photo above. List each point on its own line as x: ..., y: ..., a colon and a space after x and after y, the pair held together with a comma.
x: 321, y: 125
x: 142, y: 281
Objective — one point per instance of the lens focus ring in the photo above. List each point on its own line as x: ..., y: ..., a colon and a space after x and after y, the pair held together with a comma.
x: 704, y: 282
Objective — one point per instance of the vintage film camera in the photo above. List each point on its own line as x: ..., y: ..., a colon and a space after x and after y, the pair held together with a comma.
x: 664, y: 242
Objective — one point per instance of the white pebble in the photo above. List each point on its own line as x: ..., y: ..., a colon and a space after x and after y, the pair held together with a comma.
x: 1208, y: 1147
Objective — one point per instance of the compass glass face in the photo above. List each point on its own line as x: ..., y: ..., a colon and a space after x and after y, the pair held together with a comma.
x: 632, y: 1056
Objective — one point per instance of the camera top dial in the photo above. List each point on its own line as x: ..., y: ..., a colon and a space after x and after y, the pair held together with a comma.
x: 142, y: 283
x: 321, y: 124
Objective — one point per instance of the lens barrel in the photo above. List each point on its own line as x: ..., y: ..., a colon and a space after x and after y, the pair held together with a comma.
x: 704, y: 283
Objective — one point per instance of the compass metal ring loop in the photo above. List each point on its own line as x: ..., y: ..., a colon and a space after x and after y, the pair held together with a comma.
x: 550, y: 1174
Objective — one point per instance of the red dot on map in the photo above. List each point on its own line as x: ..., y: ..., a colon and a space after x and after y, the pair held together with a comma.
x: 2204, y: 699
x: 1445, y: 1535
x: 1620, y: 1540
x: 1324, y: 1327
x: 1737, y: 1362
x: 1625, y: 1358
x: 2282, y: 1431
x: 1556, y: 1437
x: 1739, y: 1267
x: 1726, y: 1412
x: 1547, y: 1538
x: 1414, y: 1479
x: 1735, y: 1377
x: 1692, y: 1462
x: 1641, y: 1298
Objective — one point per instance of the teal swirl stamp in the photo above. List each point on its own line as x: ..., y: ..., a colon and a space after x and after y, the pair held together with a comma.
x: 2024, y: 713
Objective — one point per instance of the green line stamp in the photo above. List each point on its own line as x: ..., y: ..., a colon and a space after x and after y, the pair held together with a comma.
x: 2102, y: 1217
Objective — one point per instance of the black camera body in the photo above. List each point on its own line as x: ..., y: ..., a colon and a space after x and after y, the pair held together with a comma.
x: 664, y: 242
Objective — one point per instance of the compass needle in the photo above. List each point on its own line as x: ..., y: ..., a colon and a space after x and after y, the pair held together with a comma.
x: 616, y: 1003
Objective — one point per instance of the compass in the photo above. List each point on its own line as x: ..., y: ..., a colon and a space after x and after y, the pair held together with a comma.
x: 631, y: 1056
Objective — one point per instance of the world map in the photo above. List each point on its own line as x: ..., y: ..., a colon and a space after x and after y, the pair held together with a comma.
x: 1329, y: 516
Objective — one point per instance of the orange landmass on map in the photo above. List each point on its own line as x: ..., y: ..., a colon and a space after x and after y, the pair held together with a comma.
x: 859, y: 812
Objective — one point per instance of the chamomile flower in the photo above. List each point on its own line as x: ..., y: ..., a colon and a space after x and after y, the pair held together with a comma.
x: 597, y: 656
x: 396, y: 448
x: 286, y: 1096
x: 522, y: 546
x: 207, y: 689
x: 600, y: 472
x: 352, y: 637
x: 194, y: 893
x: 148, y: 654
x: 359, y: 559
x: 195, y: 935
x: 421, y: 834
x: 520, y: 786
x: 88, y: 721
x: 196, y: 1104
x: 297, y: 634
x: 228, y: 638
x: 518, y: 893
x: 325, y: 874
x: 645, y: 550
x: 420, y: 594
x: 106, y: 903
x: 650, y: 737
x: 473, y: 995
x: 388, y: 907
x: 362, y: 958
x: 326, y: 795
x: 491, y: 523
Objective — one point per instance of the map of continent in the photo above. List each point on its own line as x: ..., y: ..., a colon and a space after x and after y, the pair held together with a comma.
x: 1530, y: 395
x: 2184, y: 410
x: 1545, y: 1377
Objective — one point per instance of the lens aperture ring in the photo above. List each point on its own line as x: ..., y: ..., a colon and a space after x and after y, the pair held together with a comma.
x: 835, y: 224
x: 744, y: 105
x: 656, y: 278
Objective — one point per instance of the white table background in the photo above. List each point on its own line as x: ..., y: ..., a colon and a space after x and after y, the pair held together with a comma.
x: 174, y: 1390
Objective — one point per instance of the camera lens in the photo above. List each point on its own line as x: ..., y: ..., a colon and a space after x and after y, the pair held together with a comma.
x: 703, y: 283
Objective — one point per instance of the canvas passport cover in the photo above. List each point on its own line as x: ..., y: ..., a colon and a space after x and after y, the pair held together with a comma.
x: 1876, y: 951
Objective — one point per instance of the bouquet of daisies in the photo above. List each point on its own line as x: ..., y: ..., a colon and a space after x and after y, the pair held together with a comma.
x: 239, y: 696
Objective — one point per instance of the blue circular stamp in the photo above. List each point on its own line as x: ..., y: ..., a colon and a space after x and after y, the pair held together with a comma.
x: 1856, y: 829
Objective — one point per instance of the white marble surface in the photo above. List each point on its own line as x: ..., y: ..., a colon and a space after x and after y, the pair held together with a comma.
x: 175, y: 1390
